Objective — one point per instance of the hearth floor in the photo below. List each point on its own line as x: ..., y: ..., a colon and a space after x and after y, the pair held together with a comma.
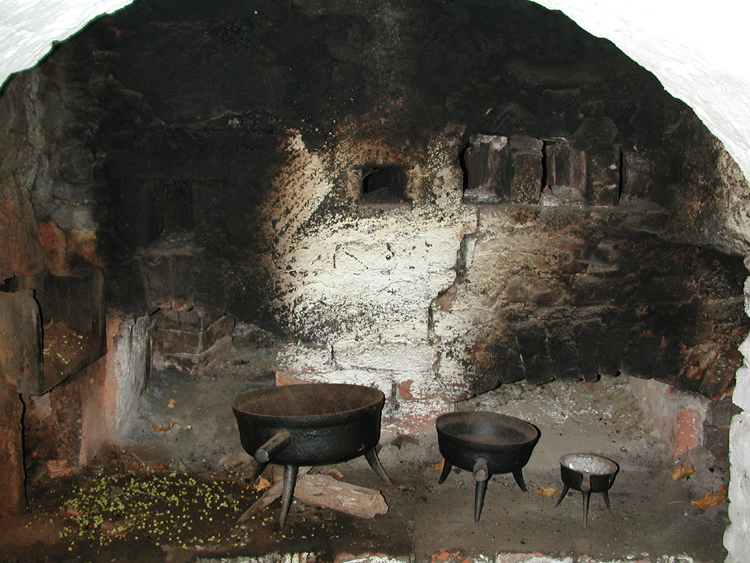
x: 186, y: 431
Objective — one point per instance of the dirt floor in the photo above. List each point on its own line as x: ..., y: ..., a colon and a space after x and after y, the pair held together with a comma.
x: 174, y: 492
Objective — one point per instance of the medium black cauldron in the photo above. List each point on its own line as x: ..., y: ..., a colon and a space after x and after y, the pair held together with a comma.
x: 310, y: 424
x: 485, y: 443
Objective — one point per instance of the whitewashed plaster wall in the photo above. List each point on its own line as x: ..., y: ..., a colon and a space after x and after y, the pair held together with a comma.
x: 364, y: 285
x: 697, y: 51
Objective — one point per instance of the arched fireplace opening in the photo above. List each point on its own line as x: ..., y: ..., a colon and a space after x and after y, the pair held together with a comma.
x: 560, y: 217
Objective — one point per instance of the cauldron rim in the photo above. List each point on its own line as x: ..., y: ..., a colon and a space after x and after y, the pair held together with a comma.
x: 612, y: 466
x: 530, y: 431
x: 369, y: 399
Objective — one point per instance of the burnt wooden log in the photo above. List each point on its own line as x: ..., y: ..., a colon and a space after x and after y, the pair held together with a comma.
x: 323, y: 491
x: 327, y: 492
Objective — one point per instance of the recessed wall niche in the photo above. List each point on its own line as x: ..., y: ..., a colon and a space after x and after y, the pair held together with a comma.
x: 384, y: 184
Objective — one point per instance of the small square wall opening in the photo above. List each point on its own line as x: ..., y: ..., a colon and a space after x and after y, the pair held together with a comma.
x: 384, y: 184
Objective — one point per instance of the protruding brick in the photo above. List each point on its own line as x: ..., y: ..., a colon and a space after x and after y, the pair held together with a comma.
x: 603, y: 184
x: 485, y: 160
x: 637, y: 180
x: 688, y: 432
x: 525, y: 174
x: 677, y: 415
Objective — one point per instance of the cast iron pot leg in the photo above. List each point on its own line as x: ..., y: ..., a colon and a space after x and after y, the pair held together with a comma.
x: 290, y: 479
x: 562, y: 495
x: 479, y: 499
x: 606, y: 499
x: 447, y: 466
x: 518, y: 476
x: 372, y: 458
x: 586, y: 499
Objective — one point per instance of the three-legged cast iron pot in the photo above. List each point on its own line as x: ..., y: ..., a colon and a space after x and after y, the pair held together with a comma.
x: 313, y: 424
x: 588, y: 473
x: 485, y: 443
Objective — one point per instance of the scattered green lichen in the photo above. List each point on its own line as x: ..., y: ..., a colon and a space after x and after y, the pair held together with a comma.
x: 168, y: 509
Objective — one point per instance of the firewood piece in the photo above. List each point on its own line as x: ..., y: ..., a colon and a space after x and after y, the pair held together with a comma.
x: 325, y: 491
x: 269, y: 496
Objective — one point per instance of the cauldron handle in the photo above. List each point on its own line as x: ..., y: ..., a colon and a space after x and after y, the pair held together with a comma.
x: 273, y: 446
x: 290, y: 480
x: 481, y: 472
x: 586, y: 483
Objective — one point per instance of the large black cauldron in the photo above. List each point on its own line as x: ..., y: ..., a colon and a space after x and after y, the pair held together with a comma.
x: 485, y: 443
x: 312, y: 424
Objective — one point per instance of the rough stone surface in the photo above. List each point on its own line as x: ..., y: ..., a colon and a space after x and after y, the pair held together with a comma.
x: 259, y: 212
x: 12, y: 471
x: 132, y: 362
x: 603, y: 167
x: 20, y: 341
x: 538, y: 300
x: 20, y: 253
x: 287, y: 130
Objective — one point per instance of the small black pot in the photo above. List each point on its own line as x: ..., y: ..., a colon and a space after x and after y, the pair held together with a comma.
x: 588, y: 473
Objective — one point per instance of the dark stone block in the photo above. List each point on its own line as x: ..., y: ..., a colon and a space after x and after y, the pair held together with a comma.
x: 532, y: 338
x: 77, y: 165
x: 67, y: 416
x: 507, y: 365
x: 210, y: 214
x: 486, y: 164
x: 637, y: 176
x: 717, y: 379
x: 138, y: 211
x: 603, y: 183
x: 595, y: 131
x: 563, y: 351
x: 12, y: 471
x: 670, y: 358
x: 20, y: 341
x: 641, y: 352
x: 720, y: 413
x: 526, y: 171
x: 593, y: 290
x: 194, y: 319
x: 181, y: 279
x: 157, y: 271
x: 126, y: 289
x: 192, y: 340
x: 614, y: 342
x: 716, y: 440
x: 558, y: 162
x: 564, y: 165
x: 589, y: 336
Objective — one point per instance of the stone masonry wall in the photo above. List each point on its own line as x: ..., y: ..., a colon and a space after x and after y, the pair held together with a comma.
x: 436, y: 303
